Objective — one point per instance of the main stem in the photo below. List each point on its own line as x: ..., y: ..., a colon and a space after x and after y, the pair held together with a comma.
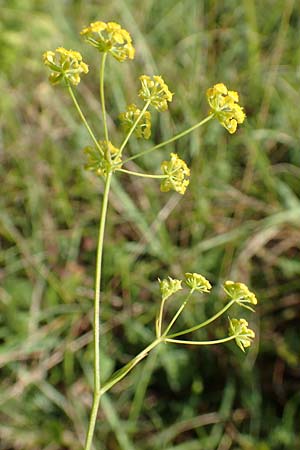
x: 96, y: 321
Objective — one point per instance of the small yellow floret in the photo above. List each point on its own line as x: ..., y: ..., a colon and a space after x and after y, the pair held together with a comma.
x: 65, y: 65
x: 128, y: 118
x: 156, y: 91
x: 197, y: 282
x: 110, y: 38
x: 169, y: 286
x: 239, y: 292
x: 176, y: 172
x: 243, y: 334
x: 224, y: 106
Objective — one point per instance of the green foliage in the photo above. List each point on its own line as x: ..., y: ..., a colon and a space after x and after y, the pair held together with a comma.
x: 239, y: 220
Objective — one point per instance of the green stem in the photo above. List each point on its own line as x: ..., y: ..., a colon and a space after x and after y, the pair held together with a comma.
x: 102, y: 97
x: 133, y: 127
x: 121, y: 373
x: 160, y: 317
x: 138, y: 174
x: 84, y: 119
x: 178, y: 312
x: 218, y: 341
x: 96, y: 320
x: 174, y: 138
x: 203, y: 324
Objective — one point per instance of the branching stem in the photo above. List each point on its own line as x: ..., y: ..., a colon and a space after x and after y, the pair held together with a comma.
x: 143, y: 175
x: 178, y: 312
x: 203, y: 324
x: 79, y: 110
x: 172, y: 139
x: 217, y: 341
x: 133, y: 127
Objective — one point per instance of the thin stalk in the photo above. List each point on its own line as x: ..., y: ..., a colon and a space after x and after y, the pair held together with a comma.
x: 79, y: 110
x: 133, y: 127
x: 102, y: 97
x: 121, y: 373
x: 96, y: 320
x: 203, y: 324
x: 178, y: 312
x: 160, y: 317
x: 172, y: 139
x: 218, y: 341
x: 138, y: 174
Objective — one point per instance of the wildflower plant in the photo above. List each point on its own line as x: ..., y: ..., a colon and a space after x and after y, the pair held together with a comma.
x: 106, y: 160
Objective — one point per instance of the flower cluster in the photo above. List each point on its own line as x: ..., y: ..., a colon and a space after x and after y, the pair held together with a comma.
x: 110, y: 38
x: 169, y: 286
x: 65, y: 65
x: 197, y: 282
x: 103, y: 158
x: 244, y: 335
x: 156, y: 91
x: 240, y: 293
x: 129, y: 117
x: 176, y: 172
x: 224, y: 106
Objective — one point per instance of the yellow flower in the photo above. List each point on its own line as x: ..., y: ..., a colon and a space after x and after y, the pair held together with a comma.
x: 176, y: 172
x: 224, y: 105
x: 102, y: 162
x: 110, y: 38
x: 197, y: 282
x: 156, y: 91
x: 244, y: 335
x: 169, y: 287
x: 240, y: 293
x: 143, y: 128
x: 65, y: 65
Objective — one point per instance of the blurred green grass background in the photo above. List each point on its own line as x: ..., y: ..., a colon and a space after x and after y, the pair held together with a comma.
x: 238, y: 220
